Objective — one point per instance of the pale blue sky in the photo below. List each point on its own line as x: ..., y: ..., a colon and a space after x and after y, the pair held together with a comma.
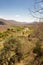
x: 16, y: 10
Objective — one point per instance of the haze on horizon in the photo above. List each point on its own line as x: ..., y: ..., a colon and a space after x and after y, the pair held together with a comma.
x: 16, y: 10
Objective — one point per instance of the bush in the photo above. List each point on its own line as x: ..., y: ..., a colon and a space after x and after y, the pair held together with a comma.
x: 37, y: 49
x: 18, y: 52
x: 13, y: 45
x: 3, y: 35
x: 8, y: 29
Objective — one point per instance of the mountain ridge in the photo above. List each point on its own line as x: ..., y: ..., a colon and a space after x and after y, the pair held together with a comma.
x: 5, y: 24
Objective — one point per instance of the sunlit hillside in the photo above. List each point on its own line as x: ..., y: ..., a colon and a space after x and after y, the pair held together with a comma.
x: 22, y: 45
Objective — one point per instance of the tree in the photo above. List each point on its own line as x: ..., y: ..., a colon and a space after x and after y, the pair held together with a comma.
x: 37, y: 11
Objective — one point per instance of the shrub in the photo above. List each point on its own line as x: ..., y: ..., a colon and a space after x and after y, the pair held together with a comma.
x: 37, y: 49
x: 8, y: 29
x: 18, y: 52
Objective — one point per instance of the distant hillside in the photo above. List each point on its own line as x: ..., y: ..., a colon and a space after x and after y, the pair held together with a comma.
x: 5, y: 24
x: 10, y: 22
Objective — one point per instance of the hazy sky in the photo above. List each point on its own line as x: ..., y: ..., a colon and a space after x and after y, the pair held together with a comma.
x: 16, y: 10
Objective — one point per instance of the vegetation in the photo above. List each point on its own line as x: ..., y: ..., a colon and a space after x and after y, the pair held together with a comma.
x: 21, y: 43
x: 37, y: 49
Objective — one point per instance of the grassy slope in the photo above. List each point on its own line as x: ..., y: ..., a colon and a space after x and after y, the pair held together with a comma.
x: 27, y: 39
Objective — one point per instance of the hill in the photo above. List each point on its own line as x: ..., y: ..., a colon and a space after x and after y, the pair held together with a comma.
x: 20, y: 43
x: 5, y: 24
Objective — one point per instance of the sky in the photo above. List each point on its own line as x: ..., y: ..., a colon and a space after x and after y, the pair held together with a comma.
x: 16, y: 10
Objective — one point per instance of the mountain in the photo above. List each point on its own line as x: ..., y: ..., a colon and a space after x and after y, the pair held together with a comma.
x: 11, y: 22
x: 5, y: 24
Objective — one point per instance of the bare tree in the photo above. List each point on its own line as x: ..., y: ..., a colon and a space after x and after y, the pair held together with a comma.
x: 37, y: 11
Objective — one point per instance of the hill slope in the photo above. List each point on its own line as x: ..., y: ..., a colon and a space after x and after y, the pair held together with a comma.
x: 5, y: 24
